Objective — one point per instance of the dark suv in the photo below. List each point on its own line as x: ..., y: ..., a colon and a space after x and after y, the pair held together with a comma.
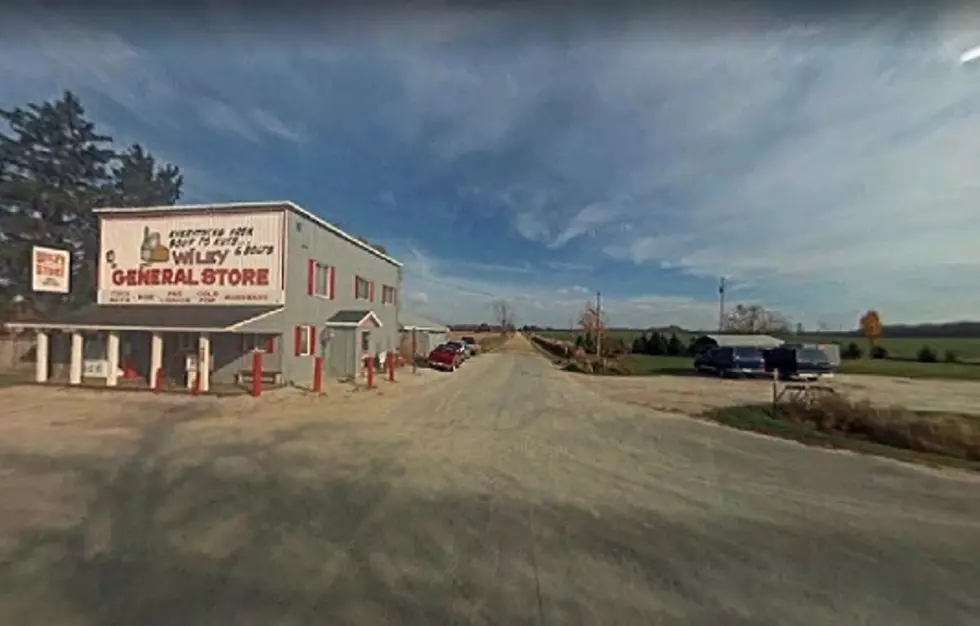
x: 731, y: 361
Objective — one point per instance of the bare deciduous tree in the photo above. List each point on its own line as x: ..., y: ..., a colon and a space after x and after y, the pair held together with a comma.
x: 591, y: 320
x: 503, y: 315
x: 755, y: 318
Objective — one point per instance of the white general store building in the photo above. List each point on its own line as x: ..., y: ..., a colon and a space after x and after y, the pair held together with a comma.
x: 185, y: 285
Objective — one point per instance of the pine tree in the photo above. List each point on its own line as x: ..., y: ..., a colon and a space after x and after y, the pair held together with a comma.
x: 137, y: 180
x: 53, y: 170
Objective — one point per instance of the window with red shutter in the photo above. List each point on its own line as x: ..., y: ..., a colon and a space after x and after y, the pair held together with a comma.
x: 297, y: 340
x: 371, y: 292
x: 304, y: 340
x: 333, y: 281
x: 310, y: 277
x: 362, y: 289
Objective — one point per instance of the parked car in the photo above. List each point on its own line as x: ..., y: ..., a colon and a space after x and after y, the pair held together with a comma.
x: 463, y: 349
x: 731, y: 361
x: 471, y: 343
x: 801, y: 362
x: 445, y: 357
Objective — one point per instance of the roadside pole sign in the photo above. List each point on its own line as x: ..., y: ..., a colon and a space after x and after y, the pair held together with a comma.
x: 50, y: 270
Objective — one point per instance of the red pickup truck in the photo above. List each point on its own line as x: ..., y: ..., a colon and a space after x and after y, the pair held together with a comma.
x: 445, y: 358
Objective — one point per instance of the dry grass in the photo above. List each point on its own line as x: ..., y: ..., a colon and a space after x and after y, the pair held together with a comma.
x: 949, y: 435
x: 693, y: 395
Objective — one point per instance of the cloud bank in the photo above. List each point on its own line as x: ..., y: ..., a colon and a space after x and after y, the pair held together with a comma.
x: 824, y: 165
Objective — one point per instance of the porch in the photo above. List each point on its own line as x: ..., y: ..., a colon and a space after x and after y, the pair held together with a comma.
x: 194, y: 348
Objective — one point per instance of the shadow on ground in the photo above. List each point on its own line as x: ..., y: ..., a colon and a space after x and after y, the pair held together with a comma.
x: 261, y: 534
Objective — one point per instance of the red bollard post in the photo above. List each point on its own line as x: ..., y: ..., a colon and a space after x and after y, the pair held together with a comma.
x: 196, y: 388
x: 318, y: 374
x: 256, y: 374
x: 391, y: 366
x: 158, y: 380
x: 369, y: 366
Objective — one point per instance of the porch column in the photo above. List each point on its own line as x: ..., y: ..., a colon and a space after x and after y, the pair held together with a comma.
x: 156, y: 357
x: 41, y: 351
x: 75, y: 365
x: 112, y: 357
x: 204, y: 362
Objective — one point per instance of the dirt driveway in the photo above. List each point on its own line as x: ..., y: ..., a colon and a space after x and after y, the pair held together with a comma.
x: 505, y: 493
x: 693, y: 394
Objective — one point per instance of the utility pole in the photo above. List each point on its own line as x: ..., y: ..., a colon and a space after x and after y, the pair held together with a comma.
x: 598, y: 327
x: 721, y: 305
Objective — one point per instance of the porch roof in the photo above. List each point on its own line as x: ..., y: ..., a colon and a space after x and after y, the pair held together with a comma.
x: 160, y: 317
x: 352, y: 318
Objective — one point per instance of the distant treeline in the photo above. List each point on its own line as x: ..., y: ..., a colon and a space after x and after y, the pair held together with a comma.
x: 951, y: 330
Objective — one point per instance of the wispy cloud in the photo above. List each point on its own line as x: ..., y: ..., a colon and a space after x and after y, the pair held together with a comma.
x: 439, y: 288
x: 252, y: 124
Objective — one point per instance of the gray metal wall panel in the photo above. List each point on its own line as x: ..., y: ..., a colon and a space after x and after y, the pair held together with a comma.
x: 435, y: 339
x: 305, y: 240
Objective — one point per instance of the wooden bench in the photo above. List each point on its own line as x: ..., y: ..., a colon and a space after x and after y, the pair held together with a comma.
x: 245, y: 376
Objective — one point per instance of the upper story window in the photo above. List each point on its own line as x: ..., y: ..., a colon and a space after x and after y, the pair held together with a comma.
x: 320, y: 279
x: 322, y: 286
x: 362, y: 288
x: 387, y: 294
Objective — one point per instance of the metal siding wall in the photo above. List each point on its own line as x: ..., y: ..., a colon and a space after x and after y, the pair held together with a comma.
x: 314, y: 242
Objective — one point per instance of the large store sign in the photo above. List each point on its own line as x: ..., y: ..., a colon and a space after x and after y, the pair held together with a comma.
x: 192, y: 259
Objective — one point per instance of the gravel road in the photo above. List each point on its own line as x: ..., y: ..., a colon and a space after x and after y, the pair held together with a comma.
x: 506, y: 493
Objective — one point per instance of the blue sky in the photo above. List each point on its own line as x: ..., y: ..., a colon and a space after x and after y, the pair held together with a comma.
x: 824, y: 166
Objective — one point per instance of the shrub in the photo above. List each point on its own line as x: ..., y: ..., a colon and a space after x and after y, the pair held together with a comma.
x: 614, y: 346
x: 655, y: 344
x: 879, y: 352
x: 851, y: 351
x: 926, y: 355
x: 899, y: 428
x: 674, y: 345
x: 951, y: 357
x: 639, y: 345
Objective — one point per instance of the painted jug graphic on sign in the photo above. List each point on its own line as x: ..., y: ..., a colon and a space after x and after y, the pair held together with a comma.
x: 152, y: 249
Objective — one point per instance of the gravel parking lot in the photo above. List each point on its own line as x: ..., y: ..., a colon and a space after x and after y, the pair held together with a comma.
x: 694, y: 394
x: 505, y: 493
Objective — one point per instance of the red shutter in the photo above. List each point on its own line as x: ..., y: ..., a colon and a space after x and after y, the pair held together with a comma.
x: 332, y: 281
x: 297, y: 339
x: 355, y: 286
x: 310, y: 277
x: 313, y: 340
x: 270, y: 344
x: 371, y: 291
